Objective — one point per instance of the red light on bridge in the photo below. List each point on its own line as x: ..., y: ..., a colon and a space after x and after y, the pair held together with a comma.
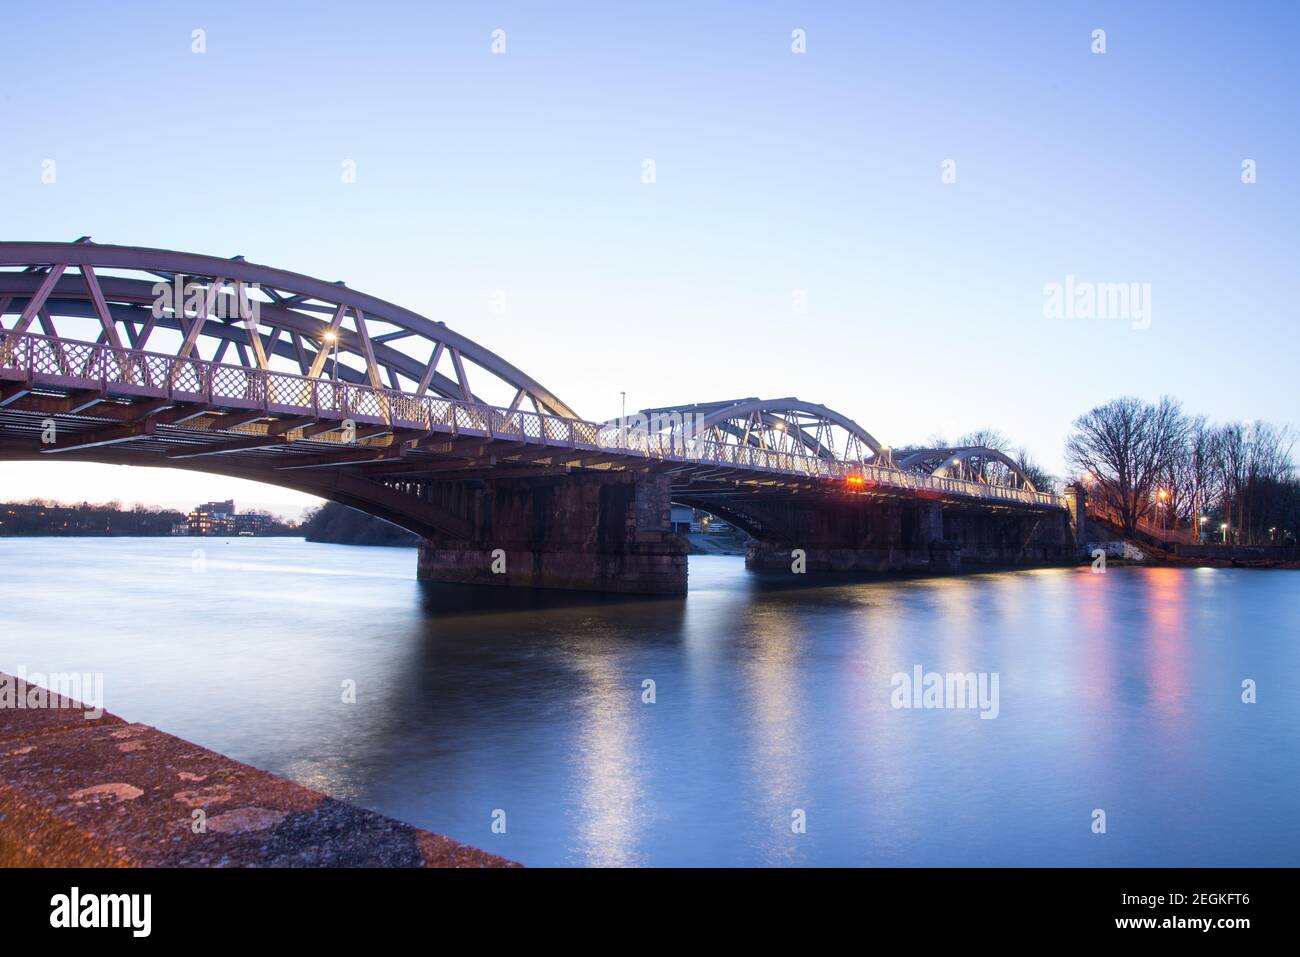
x: 855, y: 481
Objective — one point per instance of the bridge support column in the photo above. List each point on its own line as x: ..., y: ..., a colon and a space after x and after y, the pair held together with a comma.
x: 1076, y: 500
x: 889, y: 535
x: 852, y: 535
x: 1002, y: 537
x: 589, y: 531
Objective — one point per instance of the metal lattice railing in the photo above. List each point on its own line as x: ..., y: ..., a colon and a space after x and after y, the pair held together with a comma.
x: 83, y: 365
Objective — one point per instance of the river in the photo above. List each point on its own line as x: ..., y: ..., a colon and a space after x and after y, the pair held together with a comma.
x: 773, y: 736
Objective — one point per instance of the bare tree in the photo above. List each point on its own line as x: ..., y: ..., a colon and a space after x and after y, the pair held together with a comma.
x: 1126, y: 447
x: 1043, y: 480
x: 986, y: 437
x: 1254, y: 468
x: 1199, y: 473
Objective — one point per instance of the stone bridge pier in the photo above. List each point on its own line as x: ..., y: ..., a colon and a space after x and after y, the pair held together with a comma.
x: 589, y: 531
x: 861, y: 533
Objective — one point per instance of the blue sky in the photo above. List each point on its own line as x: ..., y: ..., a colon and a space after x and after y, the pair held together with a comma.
x: 776, y: 172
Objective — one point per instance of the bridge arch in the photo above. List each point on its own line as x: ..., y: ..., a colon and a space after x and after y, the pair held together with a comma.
x: 268, y: 317
x: 735, y: 517
x: 783, y: 425
x: 967, y: 462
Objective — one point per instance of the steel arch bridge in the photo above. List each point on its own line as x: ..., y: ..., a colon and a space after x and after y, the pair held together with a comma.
x: 974, y: 463
x: 139, y: 356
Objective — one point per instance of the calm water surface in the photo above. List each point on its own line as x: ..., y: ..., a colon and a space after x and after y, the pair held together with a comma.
x: 1119, y: 691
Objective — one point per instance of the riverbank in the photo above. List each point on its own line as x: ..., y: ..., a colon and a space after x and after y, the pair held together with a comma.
x: 103, y: 792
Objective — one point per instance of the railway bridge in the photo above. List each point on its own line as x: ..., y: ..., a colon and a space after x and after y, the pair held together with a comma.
x: 150, y: 357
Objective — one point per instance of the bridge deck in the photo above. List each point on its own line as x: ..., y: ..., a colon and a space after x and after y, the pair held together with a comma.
x: 129, y: 406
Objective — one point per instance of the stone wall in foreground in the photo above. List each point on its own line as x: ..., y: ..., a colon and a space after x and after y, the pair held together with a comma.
x: 105, y: 793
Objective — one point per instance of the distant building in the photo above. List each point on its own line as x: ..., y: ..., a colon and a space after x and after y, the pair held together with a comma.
x: 254, y: 523
x: 212, y: 518
x: 222, y: 518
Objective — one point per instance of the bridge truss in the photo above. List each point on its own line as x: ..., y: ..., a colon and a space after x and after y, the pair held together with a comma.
x: 974, y: 463
x: 783, y: 426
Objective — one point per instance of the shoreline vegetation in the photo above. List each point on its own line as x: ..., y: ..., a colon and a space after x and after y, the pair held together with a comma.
x: 39, y: 517
x: 335, y: 524
x: 1152, y: 468
x: 44, y: 519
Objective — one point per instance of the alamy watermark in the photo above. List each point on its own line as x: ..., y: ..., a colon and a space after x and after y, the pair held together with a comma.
x: 1078, y: 299
x: 75, y: 909
x: 191, y: 298
x: 666, y: 431
x: 59, y: 690
x: 949, y: 690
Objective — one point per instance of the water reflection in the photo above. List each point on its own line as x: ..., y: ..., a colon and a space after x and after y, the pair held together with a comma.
x: 776, y: 638
x: 1167, y: 655
x: 771, y: 694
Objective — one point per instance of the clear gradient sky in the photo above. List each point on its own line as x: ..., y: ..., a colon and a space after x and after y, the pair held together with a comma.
x: 820, y: 172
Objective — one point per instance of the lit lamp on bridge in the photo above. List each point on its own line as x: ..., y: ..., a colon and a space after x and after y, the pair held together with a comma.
x: 330, y: 338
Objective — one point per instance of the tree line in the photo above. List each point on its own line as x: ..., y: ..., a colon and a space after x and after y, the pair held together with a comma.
x: 1152, y: 463
x: 340, y: 525
x: 41, y: 517
x: 37, y: 516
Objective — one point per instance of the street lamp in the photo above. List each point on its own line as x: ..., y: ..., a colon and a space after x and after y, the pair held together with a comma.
x: 330, y: 338
x: 1224, y: 526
